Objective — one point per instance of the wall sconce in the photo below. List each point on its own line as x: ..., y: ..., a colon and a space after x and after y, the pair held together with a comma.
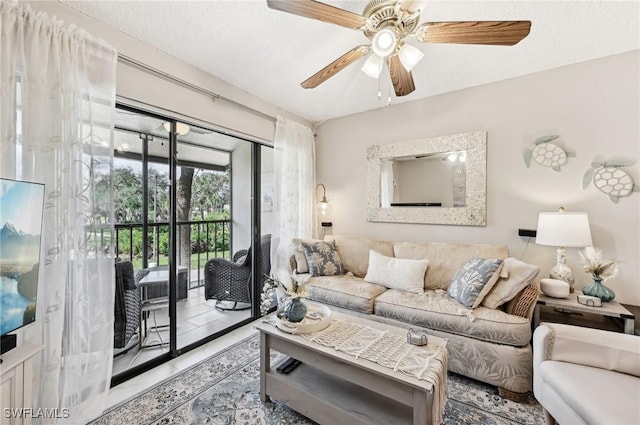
x: 322, y: 209
x: 563, y: 229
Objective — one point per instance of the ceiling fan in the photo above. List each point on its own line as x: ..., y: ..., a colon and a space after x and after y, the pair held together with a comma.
x: 387, y: 23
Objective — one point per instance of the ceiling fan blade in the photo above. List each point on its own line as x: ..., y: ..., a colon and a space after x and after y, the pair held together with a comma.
x: 320, y: 11
x: 401, y: 78
x: 411, y: 6
x: 505, y: 33
x: 334, y: 67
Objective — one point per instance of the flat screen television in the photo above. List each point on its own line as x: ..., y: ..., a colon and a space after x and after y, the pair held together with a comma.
x: 21, y: 209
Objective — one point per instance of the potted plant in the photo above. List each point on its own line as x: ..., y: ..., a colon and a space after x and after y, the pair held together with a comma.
x: 601, y: 270
x: 294, y: 309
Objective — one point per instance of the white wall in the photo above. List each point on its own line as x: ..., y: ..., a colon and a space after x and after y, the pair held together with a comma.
x: 266, y: 190
x: 143, y: 87
x: 241, y: 194
x: 594, y: 107
x: 241, y: 197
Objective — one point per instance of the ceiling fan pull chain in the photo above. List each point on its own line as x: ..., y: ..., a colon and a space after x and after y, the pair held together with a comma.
x: 379, y: 91
x: 389, y: 94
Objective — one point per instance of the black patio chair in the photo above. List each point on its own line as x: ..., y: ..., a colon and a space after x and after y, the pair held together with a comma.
x: 126, y: 308
x: 230, y: 280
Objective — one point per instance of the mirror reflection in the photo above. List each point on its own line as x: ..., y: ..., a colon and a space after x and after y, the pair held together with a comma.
x: 427, y: 180
x: 436, y: 180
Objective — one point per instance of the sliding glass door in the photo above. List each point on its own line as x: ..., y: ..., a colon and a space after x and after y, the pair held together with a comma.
x: 141, y: 196
x: 213, y: 234
x: 189, y: 204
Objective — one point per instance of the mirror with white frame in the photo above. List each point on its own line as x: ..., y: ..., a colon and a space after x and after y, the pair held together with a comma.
x: 439, y: 180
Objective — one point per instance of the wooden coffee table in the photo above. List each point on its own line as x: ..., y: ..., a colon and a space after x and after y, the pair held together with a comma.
x: 332, y: 387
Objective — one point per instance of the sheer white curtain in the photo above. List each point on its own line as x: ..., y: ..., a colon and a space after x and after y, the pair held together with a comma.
x: 294, y: 191
x: 56, y: 127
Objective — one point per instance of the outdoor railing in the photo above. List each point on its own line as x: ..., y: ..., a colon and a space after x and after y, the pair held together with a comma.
x: 209, y: 239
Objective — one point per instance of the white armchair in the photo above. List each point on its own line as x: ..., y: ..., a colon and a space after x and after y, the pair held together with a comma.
x: 586, y: 376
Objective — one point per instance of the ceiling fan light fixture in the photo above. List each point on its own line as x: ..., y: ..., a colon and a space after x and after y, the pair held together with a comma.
x: 181, y: 128
x: 384, y: 43
x: 409, y: 56
x: 373, y: 66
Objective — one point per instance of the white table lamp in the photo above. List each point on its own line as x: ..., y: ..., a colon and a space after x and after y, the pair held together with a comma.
x: 563, y: 229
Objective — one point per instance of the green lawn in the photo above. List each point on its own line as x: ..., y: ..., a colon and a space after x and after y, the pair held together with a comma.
x: 137, y: 262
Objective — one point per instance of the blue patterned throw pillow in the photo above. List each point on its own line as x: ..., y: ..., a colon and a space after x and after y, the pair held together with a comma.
x: 474, y: 281
x: 323, y: 258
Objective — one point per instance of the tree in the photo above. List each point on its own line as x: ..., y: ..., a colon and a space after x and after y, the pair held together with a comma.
x: 203, y: 192
x: 127, y: 195
x: 158, y: 196
x: 183, y: 209
x: 211, y: 192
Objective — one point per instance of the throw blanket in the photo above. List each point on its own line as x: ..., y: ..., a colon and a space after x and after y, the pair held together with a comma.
x: 392, y: 351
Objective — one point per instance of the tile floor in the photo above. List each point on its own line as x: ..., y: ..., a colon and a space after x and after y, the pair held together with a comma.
x: 197, y: 318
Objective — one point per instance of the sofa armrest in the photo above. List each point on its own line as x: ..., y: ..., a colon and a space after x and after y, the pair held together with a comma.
x: 542, y: 341
x: 590, y: 347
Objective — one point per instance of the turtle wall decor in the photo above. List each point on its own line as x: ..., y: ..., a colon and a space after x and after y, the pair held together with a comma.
x: 609, y: 179
x: 547, y: 153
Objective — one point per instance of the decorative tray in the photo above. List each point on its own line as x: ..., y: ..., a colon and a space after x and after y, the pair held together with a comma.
x: 317, y: 318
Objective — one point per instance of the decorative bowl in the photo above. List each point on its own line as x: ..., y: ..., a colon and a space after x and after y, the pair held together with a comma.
x: 554, y: 288
x: 317, y: 318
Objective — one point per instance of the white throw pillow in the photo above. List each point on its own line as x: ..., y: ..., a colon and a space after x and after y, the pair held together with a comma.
x: 519, y: 275
x: 396, y: 273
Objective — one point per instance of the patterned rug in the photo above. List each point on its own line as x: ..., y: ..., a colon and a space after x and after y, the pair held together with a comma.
x: 224, y: 389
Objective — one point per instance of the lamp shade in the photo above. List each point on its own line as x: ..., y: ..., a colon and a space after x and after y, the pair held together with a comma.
x: 373, y: 66
x: 324, y: 213
x: 322, y: 208
x: 567, y: 229
x: 409, y: 56
x: 384, y: 43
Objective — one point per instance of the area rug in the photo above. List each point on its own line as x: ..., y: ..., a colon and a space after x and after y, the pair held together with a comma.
x: 224, y: 389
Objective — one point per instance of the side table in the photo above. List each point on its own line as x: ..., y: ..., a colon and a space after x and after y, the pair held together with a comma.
x: 571, y: 305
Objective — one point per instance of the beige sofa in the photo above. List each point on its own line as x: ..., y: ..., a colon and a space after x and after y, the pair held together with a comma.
x: 586, y: 376
x: 488, y: 344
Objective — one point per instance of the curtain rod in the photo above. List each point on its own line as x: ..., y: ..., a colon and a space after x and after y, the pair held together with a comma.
x: 215, y: 96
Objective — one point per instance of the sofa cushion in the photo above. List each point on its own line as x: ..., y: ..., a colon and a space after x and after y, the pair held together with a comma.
x: 398, y: 273
x: 613, y: 395
x: 298, y: 253
x: 474, y: 281
x: 519, y: 275
x: 445, y: 259
x: 323, y: 258
x: 354, y: 252
x: 344, y: 291
x: 437, y: 310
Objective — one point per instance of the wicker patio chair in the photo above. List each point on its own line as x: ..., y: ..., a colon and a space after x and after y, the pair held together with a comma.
x: 126, y: 308
x: 230, y: 281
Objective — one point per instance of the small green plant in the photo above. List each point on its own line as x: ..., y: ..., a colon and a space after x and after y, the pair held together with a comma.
x: 271, y: 284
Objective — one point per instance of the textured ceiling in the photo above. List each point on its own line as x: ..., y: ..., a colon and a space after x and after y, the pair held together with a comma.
x: 269, y: 53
